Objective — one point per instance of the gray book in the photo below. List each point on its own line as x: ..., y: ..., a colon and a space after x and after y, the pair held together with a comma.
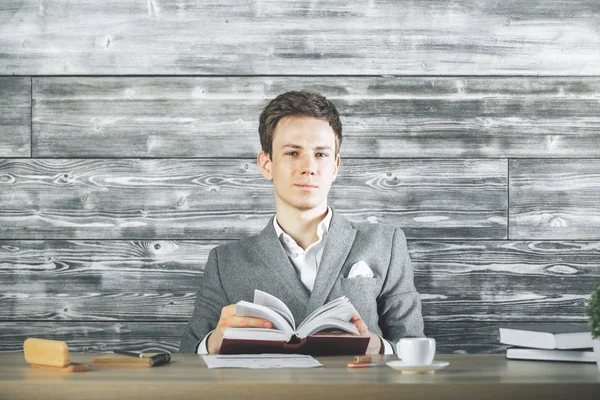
x: 518, y: 353
x: 548, y: 336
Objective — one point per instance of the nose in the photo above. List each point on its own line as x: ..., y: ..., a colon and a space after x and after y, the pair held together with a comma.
x: 308, y: 165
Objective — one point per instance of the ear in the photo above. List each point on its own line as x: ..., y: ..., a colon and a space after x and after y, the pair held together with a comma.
x: 264, y: 163
x: 337, y: 167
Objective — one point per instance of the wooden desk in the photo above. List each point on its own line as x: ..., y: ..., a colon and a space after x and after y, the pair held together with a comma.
x: 485, y: 377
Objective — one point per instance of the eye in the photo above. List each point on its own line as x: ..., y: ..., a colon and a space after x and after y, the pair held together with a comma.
x: 322, y: 155
x: 291, y: 153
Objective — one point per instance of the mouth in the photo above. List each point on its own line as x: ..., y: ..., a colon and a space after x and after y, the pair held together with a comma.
x: 305, y: 186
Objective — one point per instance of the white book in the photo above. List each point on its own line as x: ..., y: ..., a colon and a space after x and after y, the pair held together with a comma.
x: 334, y: 315
x: 518, y: 353
x: 547, y: 336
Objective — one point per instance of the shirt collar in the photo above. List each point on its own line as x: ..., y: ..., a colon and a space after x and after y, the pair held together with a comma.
x: 322, y: 228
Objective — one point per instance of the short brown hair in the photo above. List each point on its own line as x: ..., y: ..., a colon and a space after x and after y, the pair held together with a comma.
x: 297, y: 104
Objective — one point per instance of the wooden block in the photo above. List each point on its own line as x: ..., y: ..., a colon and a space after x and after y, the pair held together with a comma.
x: 118, y: 360
x: 53, y: 353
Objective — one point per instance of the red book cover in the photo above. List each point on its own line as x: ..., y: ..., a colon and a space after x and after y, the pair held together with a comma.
x: 315, y: 345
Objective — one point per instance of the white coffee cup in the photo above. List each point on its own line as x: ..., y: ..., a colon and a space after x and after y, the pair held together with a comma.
x: 416, y: 351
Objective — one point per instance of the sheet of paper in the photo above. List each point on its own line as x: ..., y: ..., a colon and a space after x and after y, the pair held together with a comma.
x: 261, y: 361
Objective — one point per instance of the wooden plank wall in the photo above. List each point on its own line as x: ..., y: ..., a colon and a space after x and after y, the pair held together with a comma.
x: 128, y: 136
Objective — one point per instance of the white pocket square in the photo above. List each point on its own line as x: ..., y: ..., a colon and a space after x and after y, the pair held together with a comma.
x: 360, y: 270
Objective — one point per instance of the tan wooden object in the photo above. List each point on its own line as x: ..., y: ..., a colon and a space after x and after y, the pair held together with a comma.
x: 51, y: 355
x: 54, y: 353
x: 486, y: 377
x: 119, y: 360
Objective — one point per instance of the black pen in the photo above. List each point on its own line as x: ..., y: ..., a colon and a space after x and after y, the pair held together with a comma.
x: 155, y: 358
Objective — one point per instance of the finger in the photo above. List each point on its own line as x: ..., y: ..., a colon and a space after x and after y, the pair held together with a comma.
x: 355, y: 317
x: 360, y: 324
x: 228, y: 311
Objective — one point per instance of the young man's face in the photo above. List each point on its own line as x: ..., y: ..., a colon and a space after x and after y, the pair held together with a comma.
x: 304, y: 163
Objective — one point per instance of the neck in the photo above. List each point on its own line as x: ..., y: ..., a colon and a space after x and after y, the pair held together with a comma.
x: 301, y: 225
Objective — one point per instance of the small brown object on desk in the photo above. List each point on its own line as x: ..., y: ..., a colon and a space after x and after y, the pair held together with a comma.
x: 362, y: 364
x: 50, y: 355
x: 358, y: 359
x: 119, y: 360
x: 131, y: 360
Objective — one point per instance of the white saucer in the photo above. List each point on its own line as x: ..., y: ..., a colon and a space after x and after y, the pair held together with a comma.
x: 399, y: 365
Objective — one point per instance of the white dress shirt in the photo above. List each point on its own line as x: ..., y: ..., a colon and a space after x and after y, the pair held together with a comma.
x: 305, y: 262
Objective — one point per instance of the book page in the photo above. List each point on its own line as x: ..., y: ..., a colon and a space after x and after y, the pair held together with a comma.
x: 340, y: 308
x: 268, y: 300
x: 256, y: 334
x: 335, y: 314
x: 247, y: 309
x: 323, y: 308
x: 318, y: 325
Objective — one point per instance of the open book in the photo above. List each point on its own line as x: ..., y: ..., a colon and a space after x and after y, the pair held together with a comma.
x: 285, y: 337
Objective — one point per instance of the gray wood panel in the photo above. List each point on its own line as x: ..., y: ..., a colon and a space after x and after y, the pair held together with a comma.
x: 228, y: 199
x: 467, y: 37
x: 76, y: 273
x: 95, y: 336
x: 505, y: 280
x: 555, y: 199
x: 458, y: 280
x: 382, y: 116
x: 15, y: 116
x: 451, y: 337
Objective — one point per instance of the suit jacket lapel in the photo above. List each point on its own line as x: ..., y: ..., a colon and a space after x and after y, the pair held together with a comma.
x: 340, y: 239
x: 280, y: 271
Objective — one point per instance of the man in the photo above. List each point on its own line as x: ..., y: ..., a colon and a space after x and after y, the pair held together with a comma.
x: 306, y: 253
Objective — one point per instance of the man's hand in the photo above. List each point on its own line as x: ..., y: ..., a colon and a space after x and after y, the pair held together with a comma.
x: 374, y: 346
x: 228, y: 319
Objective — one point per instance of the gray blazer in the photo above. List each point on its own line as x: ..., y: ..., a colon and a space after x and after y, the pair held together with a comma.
x: 388, y: 302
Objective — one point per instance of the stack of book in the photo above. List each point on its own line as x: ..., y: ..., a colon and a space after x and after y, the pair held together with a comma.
x: 556, y: 342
